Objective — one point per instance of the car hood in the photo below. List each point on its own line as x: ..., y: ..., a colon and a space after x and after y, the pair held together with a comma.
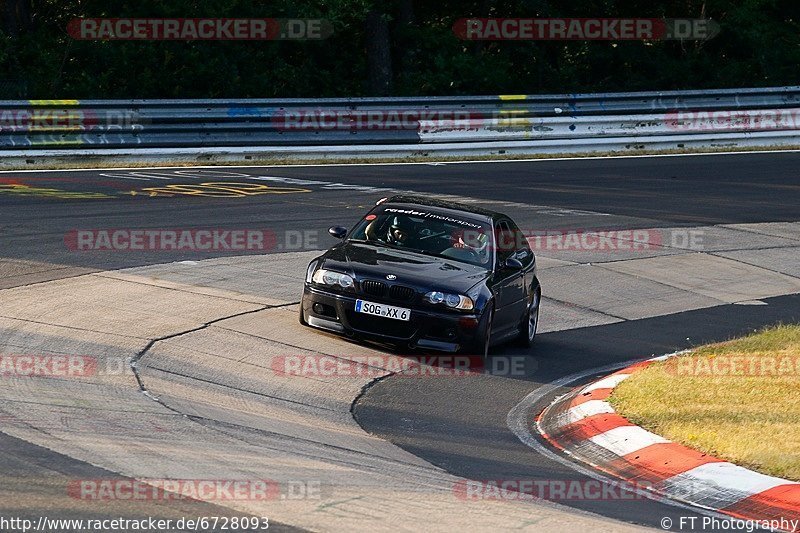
x: 424, y: 272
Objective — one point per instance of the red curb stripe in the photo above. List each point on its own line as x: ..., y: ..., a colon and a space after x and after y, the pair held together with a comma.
x: 634, y: 367
x: 597, y: 394
x: 781, y: 501
x: 659, y: 462
x: 590, y: 426
x: 554, y: 443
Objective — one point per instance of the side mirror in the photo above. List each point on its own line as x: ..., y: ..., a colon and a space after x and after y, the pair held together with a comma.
x: 512, y: 263
x: 338, y: 231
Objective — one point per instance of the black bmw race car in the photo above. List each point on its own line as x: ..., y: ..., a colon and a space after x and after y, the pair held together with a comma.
x: 426, y: 274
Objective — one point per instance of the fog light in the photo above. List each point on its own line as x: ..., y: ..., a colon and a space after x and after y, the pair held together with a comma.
x: 319, y: 309
x: 467, y: 323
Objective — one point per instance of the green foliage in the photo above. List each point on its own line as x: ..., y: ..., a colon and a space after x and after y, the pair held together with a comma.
x: 759, y: 45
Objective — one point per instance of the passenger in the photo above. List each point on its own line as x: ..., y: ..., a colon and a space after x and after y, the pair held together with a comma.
x: 470, y: 246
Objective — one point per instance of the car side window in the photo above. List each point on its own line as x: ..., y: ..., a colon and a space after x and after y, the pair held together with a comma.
x: 504, y: 238
x: 523, y: 250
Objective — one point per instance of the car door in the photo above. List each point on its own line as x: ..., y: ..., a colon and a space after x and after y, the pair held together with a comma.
x: 509, y: 285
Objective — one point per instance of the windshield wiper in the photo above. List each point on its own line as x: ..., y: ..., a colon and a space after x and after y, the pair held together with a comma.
x: 378, y: 243
x: 411, y: 250
x: 432, y: 235
x: 416, y: 251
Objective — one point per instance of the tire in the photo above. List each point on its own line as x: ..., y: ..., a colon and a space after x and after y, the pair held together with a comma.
x: 527, y: 330
x: 480, y: 346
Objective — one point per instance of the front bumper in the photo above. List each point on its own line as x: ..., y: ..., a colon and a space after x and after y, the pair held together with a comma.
x: 427, y: 329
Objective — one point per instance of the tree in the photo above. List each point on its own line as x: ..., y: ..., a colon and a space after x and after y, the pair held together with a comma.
x: 379, y: 54
x: 16, y: 16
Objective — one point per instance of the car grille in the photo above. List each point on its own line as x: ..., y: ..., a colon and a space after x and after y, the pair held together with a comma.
x: 399, y: 292
x: 373, y: 288
x: 381, y: 326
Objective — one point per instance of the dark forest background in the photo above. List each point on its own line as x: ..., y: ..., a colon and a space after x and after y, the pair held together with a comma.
x: 392, y: 47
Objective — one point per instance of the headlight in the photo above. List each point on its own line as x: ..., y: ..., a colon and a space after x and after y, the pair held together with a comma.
x: 310, y: 271
x: 455, y: 301
x: 329, y: 277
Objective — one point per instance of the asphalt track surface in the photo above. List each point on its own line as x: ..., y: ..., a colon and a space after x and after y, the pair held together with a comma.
x: 459, y: 425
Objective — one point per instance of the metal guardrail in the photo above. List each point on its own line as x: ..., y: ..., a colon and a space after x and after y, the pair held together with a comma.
x: 581, y: 121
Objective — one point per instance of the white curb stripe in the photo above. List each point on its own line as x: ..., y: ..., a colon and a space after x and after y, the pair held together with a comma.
x: 719, y: 485
x: 585, y: 410
x: 714, y: 486
x: 519, y: 422
x: 626, y: 439
x: 606, y: 383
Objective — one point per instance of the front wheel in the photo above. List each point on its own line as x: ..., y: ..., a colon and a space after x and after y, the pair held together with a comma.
x: 302, y: 315
x: 483, y: 338
x: 527, y: 330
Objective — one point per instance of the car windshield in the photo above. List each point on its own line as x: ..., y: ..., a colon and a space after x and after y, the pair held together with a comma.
x: 428, y: 232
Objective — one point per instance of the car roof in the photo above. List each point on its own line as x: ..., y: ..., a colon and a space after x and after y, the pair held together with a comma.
x: 447, y: 205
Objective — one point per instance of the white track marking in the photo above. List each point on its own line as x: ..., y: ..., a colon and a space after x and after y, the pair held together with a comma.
x: 123, y: 177
x: 140, y: 175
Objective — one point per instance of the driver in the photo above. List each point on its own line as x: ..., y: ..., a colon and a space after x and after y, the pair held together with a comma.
x: 400, y: 231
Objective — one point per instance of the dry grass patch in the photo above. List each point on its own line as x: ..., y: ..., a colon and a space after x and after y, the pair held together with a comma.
x: 738, y: 400
x: 423, y: 155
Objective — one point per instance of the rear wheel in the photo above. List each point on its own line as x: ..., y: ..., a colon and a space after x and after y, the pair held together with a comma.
x: 527, y: 330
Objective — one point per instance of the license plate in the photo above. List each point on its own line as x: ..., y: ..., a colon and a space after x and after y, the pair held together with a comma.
x: 386, y: 311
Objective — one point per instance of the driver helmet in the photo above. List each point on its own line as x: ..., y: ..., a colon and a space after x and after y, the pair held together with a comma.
x: 477, y: 241
x: 399, y: 231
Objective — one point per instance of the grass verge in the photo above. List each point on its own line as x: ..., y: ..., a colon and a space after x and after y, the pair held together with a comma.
x: 737, y: 400
x: 423, y: 156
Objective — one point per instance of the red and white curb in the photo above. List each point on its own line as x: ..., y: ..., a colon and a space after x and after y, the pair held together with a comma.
x: 584, y: 425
